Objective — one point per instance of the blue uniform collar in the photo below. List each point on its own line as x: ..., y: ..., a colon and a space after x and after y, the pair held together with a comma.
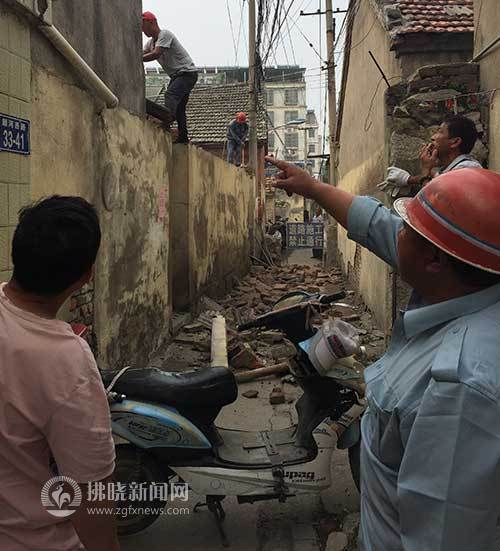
x: 420, y: 319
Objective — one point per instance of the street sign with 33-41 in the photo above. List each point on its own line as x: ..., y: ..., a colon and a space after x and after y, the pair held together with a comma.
x: 14, y: 134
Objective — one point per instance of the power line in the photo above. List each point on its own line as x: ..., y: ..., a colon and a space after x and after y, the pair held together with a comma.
x: 280, y: 26
x: 239, y: 32
x: 232, y: 29
x: 291, y: 42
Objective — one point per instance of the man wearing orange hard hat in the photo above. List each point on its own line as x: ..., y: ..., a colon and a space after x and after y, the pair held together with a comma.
x: 165, y: 48
x: 430, y: 459
x: 237, y: 133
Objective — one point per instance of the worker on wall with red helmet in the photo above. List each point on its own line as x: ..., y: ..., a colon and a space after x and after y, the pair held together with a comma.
x: 237, y: 133
x: 430, y: 459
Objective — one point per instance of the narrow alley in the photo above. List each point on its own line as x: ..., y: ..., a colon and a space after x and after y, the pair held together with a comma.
x: 304, y: 523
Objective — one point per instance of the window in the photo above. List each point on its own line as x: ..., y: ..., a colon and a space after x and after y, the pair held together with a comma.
x: 312, y: 132
x: 312, y: 148
x: 270, y: 97
x: 291, y: 116
x: 292, y: 140
x: 291, y: 97
x: 270, y: 118
x: 270, y: 141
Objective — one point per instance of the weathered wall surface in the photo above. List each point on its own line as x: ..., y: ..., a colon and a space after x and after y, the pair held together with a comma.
x: 15, y: 100
x: 120, y: 162
x: 213, y: 206
x: 417, y: 106
x: 108, y: 36
x: 362, y: 154
x: 487, y: 15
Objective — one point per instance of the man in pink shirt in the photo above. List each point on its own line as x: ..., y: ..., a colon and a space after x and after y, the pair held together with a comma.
x: 53, y: 407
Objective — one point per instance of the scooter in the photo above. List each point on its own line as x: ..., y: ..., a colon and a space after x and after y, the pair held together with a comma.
x: 164, y: 426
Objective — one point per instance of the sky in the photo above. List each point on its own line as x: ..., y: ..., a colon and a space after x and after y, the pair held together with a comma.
x: 203, y: 27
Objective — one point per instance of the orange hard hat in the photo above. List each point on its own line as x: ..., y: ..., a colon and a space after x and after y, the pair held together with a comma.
x: 148, y: 16
x: 241, y: 117
x: 459, y: 212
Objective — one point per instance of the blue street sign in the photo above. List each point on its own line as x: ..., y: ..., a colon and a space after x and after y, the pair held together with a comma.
x: 14, y: 135
x: 301, y: 235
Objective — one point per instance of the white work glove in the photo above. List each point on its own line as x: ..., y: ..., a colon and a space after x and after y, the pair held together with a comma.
x: 396, y: 182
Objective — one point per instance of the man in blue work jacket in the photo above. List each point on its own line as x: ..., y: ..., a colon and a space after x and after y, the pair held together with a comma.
x: 430, y: 460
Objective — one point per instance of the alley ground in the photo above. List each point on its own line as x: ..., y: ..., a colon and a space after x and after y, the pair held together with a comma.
x: 328, y: 521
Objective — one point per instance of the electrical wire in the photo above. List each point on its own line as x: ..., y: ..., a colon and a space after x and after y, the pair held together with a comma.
x: 232, y: 29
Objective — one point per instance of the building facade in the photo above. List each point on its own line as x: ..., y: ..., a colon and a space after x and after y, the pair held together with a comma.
x: 487, y: 54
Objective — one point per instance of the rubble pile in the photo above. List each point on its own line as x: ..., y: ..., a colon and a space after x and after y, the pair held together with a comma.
x: 268, y: 352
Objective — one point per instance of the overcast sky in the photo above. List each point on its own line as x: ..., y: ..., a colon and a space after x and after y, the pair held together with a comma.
x: 204, y: 29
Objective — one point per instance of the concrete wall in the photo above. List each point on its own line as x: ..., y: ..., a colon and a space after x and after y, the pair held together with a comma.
x: 15, y: 100
x: 107, y: 34
x: 120, y: 162
x: 212, y: 206
x: 362, y: 154
x: 487, y: 16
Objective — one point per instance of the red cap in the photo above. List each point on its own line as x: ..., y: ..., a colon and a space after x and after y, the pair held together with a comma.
x: 148, y: 16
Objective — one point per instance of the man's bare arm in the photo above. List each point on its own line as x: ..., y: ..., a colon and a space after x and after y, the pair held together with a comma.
x: 293, y: 179
x: 153, y: 55
x: 97, y: 531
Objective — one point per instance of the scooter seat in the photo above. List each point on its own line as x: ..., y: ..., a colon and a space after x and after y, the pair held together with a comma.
x: 207, y: 388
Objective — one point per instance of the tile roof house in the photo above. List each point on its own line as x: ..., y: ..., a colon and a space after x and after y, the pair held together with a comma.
x: 403, y: 36
x: 212, y: 108
x: 411, y: 23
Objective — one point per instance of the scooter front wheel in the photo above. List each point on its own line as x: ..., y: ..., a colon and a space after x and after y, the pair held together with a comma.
x: 133, y: 469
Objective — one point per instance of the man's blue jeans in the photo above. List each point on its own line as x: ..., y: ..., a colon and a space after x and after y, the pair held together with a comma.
x: 234, y: 152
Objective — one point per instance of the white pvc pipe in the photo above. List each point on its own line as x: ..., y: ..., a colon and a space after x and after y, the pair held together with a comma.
x: 86, y: 72
x: 219, y: 343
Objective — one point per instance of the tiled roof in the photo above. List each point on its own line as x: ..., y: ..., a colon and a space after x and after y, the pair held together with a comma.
x: 432, y: 16
x: 212, y: 108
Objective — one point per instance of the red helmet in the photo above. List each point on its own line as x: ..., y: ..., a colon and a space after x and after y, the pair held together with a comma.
x: 148, y: 16
x: 241, y: 117
x: 460, y: 213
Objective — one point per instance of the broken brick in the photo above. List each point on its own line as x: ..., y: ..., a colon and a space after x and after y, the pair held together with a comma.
x: 251, y: 394
x: 277, y: 396
x: 246, y: 358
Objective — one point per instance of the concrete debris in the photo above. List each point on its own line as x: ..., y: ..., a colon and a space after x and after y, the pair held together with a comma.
x: 251, y: 394
x: 193, y: 328
x: 207, y: 303
x: 255, y: 350
x: 289, y: 379
x: 353, y: 317
x: 245, y: 358
x: 350, y: 527
x: 271, y: 337
x: 277, y: 396
x: 337, y: 541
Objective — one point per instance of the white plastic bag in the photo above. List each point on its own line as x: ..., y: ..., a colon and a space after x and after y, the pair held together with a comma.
x: 335, y: 340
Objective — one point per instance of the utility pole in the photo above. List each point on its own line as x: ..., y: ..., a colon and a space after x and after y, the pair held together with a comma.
x: 252, y: 81
x: 332, y: 93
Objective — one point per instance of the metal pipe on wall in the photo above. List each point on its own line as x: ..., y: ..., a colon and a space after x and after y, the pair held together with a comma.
x: 87, y: 74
